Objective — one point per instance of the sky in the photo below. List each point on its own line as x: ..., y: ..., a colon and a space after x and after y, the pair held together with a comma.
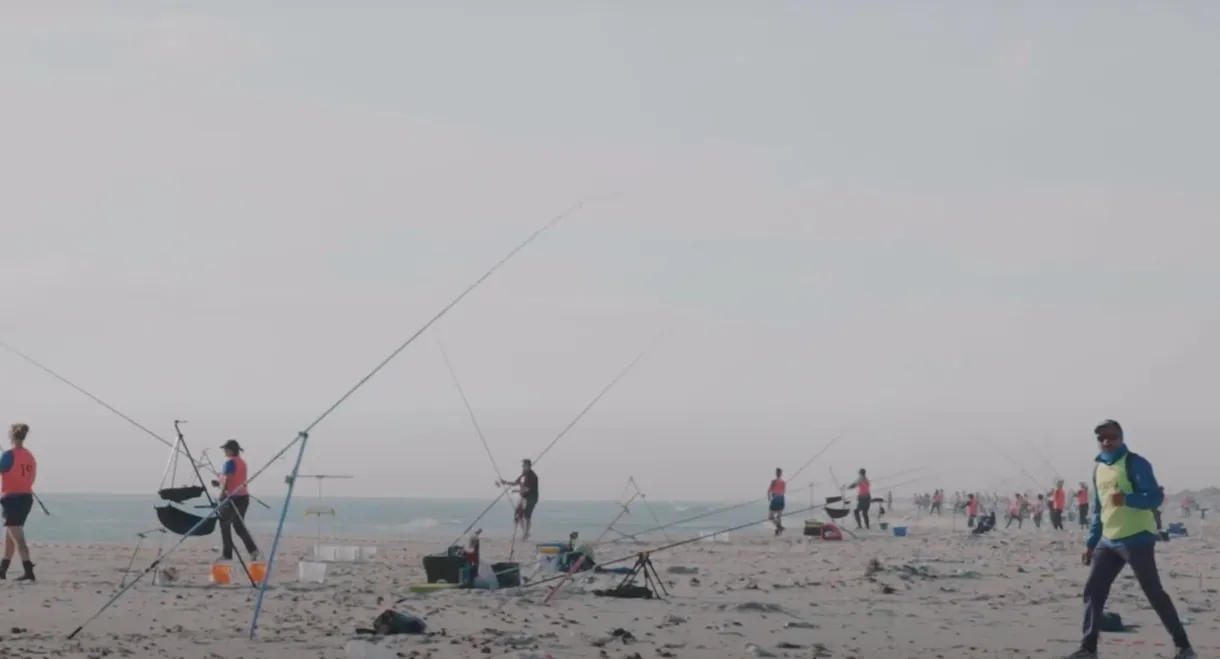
x: 949, y: 232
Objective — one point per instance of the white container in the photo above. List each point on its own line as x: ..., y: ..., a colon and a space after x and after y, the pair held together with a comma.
x: 311, y: 572
x: 325, y: 552
x: 362, y: 649
x: 368, y: 553
x: 347, y: 554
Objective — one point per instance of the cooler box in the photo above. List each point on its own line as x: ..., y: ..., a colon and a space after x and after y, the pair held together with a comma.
x: 813, y: 528
x: 550, y: 555
x: 442, y: 568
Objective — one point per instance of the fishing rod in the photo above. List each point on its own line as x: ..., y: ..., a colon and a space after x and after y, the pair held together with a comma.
x: 483, y: 439
x: 1045, y: 461
x: 736, y: 506
x: 46, y: 369
x: 673, y: 545
x: 302, y: 439
x: 572, y: 424
x: 1019, y: 467
x: 752, y: 501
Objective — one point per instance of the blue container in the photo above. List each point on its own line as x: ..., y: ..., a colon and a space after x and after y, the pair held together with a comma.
x: 900, y: 531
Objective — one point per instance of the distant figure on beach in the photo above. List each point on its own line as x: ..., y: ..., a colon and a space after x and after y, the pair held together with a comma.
x: 18, y: 469
x: 775, y: 497
x: 1016, y: 510
x: 528, y: 484
x: 972, y: 510
x: 1037, y: 511
x: 234, y: 501
x: 864, y: 499
x: 1058, y: 505
x: 1082, y: 505
x: 1123, y: 532
x: 938, y: 502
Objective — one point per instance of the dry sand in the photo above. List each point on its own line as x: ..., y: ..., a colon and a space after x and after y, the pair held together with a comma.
x: 937, y: 593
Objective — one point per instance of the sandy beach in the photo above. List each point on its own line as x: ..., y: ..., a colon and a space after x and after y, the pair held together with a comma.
x: 936, y: 593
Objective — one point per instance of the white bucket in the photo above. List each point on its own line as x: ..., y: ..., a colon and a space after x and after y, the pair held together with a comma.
x: 325, y: 552
x: 311, y: 572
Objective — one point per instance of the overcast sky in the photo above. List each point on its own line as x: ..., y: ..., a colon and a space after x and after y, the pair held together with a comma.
x: 936, y: 227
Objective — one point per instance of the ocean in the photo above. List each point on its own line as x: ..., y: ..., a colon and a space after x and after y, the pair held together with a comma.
x: 81, y: 518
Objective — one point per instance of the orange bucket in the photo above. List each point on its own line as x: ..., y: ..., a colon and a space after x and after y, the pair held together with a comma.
x: 220, y: 573
x: 258, y: 572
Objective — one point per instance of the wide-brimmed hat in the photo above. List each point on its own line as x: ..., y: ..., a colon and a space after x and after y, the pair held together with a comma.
x: 231, y: 445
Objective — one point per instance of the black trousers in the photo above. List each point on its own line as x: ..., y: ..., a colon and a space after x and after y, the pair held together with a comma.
x: 1056, y: 519
x: 231, y: 516
x: 861, y: 511
x: 1084, y: 515
x: 1107, y: 563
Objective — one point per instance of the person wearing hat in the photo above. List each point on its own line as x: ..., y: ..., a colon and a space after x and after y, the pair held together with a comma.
x: 1123, y: 532
x: 528, y: 484
x: 234, y: 501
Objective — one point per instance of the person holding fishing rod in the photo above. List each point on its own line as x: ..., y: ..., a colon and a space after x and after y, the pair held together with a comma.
x: 18, y: 469
x: 864, y: 499
x: 528, y: 484
x: 1123, y: 532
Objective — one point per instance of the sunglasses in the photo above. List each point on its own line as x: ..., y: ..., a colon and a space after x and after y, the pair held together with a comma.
x: 1108, y: 437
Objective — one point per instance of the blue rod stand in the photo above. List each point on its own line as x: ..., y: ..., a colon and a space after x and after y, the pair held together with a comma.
x: 303, y: 438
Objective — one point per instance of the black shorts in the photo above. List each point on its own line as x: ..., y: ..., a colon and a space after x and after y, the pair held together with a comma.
x: 17, y: 507
x: 777, y: 504
x: 527, y: 511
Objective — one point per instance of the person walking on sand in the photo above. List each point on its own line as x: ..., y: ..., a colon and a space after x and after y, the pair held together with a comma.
x: 18, y: 470
x: 864, y: 499
x: 775, y: 497
x: 1036, y: 512
x: 528, y: 484
x: 1122, y: 531
x: 234, y: 502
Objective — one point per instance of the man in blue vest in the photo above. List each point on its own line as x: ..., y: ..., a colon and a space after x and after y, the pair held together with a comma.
x: 1123, y: 532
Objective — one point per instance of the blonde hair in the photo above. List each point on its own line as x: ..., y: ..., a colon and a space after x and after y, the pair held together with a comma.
x: 18, y: 431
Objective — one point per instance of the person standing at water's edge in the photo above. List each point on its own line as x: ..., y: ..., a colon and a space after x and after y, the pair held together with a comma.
x: 528, y: 484
x: 1123, y: 532
x: 233, y: 489
x: 864, y: 499
x: 1082, y: 505
x: 775, y: 496
x: 18, y: 469
x: 1058, y: 505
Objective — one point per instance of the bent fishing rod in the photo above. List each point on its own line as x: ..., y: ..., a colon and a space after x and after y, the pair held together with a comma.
x: 302, y: 438
x: 139, y: 426
x: 572, y: 424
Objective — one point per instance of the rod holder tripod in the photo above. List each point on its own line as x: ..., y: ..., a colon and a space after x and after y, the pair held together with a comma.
x: 644, y: 567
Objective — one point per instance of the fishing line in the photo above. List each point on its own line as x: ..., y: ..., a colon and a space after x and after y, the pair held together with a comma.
x: 46, y: 369
x: 736, y: 506
x: 673, y: 545
x: 303, y: 438
x: 651, y: 511
x: 580, y: 561
x: 566, y: 429
x: 751, y: 502
x: 479, y: 431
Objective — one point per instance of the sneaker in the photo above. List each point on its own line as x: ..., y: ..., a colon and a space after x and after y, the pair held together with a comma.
x: 1082, y: 654
x: 1185, y: 653
x: 254, y: 556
